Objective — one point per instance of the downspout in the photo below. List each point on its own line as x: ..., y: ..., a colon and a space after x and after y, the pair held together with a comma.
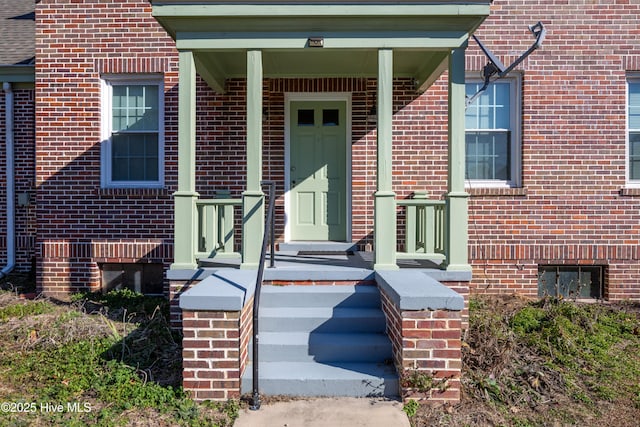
x: 11, y: 231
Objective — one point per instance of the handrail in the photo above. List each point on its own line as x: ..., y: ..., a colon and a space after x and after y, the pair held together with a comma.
x: 268, y: 230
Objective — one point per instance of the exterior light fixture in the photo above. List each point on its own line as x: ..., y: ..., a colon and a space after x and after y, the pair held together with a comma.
x: 316, y: 41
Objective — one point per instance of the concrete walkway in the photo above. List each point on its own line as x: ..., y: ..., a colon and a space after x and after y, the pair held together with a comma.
x: 327, y: 412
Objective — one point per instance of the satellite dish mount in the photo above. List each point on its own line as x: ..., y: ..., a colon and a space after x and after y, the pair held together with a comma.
x: 496, y: 68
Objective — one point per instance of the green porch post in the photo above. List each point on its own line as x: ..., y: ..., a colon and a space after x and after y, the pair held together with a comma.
x: 385, y: 201
x: 186, y: 196
x: 457, y: 198
x: 253, y: 197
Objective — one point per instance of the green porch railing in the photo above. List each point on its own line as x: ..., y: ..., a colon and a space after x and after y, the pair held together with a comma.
x: 425, y: 228
x: 215, y: 227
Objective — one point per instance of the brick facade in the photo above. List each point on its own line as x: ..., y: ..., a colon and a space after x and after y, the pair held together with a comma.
x: 81, y: 224
x: 573, y: 207
x: 426, y: 342
x: 215, y: 352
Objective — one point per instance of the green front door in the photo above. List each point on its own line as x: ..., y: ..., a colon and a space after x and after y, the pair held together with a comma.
x: 318, y: 134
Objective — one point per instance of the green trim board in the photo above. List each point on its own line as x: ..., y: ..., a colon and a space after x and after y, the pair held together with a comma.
x: 421, y: 33
x: 210, y: 71
x: 384, y: 228
x: 170, y: 9
x: 212, y: 41
x: 186, y: 196
x: 309, y: 63
x: 252, y: 197
x: 17, y: 74
x: 457, y: 233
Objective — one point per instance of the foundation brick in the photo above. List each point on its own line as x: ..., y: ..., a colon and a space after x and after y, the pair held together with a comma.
x: 434, y: 349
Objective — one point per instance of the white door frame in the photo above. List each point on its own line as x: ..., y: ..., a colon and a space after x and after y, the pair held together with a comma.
x: 320, y: 96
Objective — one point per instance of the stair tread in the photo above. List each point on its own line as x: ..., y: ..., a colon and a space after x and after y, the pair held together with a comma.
x: 322, y: 371
x: 339, y: 296
x: 328, y: 312
x: 324, y: 338
x: 340, y: 289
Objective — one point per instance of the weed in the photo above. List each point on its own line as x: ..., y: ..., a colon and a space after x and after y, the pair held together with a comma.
x: 66, y: 317
x: 124, y: 300
x: 581, y: 396
x: 636, y: 395
x: 551, y: 351
x: 526, y: 320
x: 231, y: 408
x: 421, y: 381
x: 411, y: 408
x: 520, y: 422
x: 76, y: 357
x: 28, y: 308
x: 491, y: 388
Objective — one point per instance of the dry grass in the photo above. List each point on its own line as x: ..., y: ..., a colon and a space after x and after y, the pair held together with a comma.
x: 521, y: 379
x: 115, y: 353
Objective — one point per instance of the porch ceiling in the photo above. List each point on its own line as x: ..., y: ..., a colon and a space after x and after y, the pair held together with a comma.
x: 421, y: 33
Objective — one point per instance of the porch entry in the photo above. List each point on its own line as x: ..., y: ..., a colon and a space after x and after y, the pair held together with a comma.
x: 317, y: 170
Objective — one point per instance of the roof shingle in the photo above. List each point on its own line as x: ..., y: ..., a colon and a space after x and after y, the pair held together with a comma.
x: 17, y: 32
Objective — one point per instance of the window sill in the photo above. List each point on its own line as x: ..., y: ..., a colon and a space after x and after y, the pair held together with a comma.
x: 497, y: 191
x: 115, y: 191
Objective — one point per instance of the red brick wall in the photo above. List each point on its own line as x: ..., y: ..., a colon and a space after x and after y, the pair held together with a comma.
x: 572, y: 209
x: 426, y: 342
x: 215, y: 352
x: 177, y: 287
x: 75, y: 43
x: 24, y: 164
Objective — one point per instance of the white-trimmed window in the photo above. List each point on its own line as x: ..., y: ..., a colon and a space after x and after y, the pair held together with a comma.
x: 493, y: 134
x: 633, y: 126
x: 133, y: 131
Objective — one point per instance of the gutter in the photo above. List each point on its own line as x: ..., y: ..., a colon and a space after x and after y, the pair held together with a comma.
x: 11, y: 230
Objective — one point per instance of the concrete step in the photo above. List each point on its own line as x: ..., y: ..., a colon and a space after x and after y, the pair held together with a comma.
x: 322, y: 319
x: 323, y: 340
x: 318, y: 379
x: 320, y: 296
x: 324, y: 347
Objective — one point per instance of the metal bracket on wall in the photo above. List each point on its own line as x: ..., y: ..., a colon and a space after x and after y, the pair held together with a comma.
x: 495, y: 67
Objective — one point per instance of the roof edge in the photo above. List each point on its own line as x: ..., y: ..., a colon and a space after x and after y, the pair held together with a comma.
x: 18, y: 73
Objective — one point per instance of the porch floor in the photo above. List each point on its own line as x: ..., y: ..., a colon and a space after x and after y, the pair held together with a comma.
x: 303, y: 259
x: 327, y: 261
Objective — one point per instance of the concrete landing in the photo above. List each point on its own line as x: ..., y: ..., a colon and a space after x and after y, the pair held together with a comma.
x: 349, y: 379
x: 295, y: 266
x: 334, y: 412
